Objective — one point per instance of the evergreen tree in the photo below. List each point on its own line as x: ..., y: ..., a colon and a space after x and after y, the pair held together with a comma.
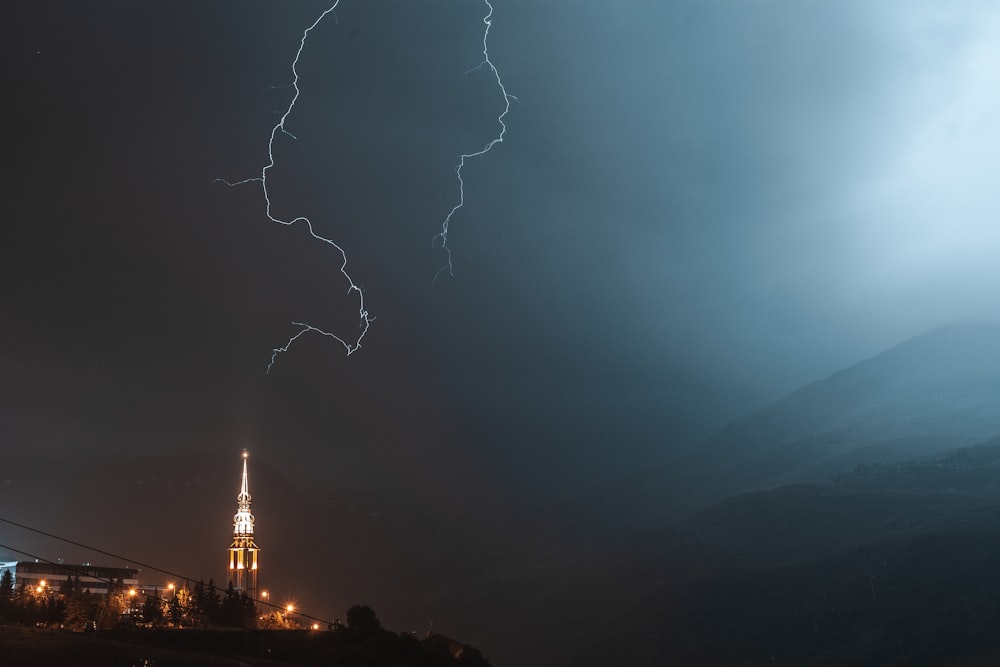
x: 6, y: 594
x: 248, y: 611
x: 232, y: 610
x: 152, y: 610
x: 24, y: 608
x: 67, y: 587
x: 81, y: 608
x: 191, y: 605
x: 114, y: 605
x: 75, y: 616
x: 199, y: 603
x: 213, y: 602
x: 175, y: 611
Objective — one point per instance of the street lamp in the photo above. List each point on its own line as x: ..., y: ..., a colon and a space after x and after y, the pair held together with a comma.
x: 289, y: 608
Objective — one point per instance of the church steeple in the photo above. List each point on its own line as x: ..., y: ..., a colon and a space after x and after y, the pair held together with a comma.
x: 243, y: 551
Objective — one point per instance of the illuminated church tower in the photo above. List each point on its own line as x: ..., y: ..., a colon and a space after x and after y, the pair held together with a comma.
x: 243, y: 551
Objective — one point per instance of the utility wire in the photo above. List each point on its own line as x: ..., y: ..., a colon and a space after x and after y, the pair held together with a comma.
x: 129, y: 560
x: 78, y: 569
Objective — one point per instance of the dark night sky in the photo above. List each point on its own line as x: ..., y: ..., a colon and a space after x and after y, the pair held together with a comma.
x: 698, y: 207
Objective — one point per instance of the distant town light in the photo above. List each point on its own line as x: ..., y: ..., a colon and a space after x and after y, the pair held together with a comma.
x: 290, y: 608
x: 315, y: 626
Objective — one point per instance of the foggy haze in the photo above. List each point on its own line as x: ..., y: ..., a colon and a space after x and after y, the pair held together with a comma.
x: 697, y: 208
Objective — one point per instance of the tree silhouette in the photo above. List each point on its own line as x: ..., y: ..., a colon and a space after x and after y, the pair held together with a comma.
x: 6, y: 594
x: 362, y: 621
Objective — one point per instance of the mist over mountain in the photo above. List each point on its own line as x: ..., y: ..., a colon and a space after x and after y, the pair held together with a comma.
x: 929, y: 394
x: 865, y: 479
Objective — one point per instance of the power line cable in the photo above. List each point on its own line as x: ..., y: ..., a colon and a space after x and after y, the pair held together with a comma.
x: 111, y: 583
x: 139, y: 563
x: 78, y: 570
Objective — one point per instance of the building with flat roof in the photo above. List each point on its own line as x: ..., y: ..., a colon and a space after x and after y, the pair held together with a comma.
x: 98, y: 579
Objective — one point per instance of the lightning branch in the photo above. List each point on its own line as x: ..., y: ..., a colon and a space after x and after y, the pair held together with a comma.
x: 352, y: 344
x: 442, y: 236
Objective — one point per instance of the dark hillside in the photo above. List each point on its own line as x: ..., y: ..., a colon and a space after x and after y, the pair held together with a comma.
x: 931, y: 394
x: 891, y: 564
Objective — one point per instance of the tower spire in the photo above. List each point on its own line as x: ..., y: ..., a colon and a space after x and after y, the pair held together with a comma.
x: 243, y: 550
x: 244, y: 492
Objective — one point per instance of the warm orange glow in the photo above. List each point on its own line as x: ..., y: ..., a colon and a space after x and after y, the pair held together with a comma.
x: 315, y: 626
x: 42, y: 583
x: 290, y: 608
x: 263, y: 594
x: 38, y: 590
x: 131, y: 592
x: 170, y: 587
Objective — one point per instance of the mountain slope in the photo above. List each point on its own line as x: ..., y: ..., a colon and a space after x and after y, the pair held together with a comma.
x: 893, y: 564
x: 930, y: 394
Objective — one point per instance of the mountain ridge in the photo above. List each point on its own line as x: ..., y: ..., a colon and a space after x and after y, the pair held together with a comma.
x: 929, y: 394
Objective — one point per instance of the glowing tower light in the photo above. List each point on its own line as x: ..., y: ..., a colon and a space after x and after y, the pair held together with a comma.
x: 243, y: 551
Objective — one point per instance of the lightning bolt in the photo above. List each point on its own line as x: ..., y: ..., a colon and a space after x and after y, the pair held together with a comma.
x: 351, y: 345
x: 442, y: 236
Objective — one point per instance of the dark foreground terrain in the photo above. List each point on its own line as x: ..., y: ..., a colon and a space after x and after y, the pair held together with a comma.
x: 31, y: 647
x: 890, y: 564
